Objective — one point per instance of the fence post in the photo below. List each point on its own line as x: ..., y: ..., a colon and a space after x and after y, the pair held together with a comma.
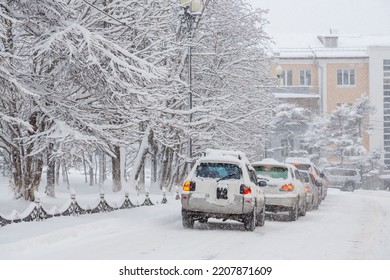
x: 73, y: 203
x: 164, y: 200
x: 147, y: 201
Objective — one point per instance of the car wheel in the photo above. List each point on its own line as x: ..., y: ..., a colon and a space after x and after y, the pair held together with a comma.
x: 260, y: 220
x: 349, y: 187
x: 293, y: 213
x: 316, y: 204
x: 187, y: 219
x: 302, y: 211
x: 250, y: 221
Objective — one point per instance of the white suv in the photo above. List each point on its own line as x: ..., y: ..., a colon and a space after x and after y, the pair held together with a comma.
x: 223, y: 185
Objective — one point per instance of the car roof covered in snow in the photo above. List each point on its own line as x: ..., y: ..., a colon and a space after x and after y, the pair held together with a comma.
x: 224, y: 155
x: 298, y: 160
x: 269, y: 161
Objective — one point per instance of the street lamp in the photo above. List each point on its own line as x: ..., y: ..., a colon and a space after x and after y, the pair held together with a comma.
x: 279, y: 73
x: 192, y: 10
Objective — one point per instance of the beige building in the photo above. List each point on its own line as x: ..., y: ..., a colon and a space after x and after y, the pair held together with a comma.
x: 320, y: 72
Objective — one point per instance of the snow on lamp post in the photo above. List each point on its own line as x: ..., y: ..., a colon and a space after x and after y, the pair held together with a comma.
x: 191, y: 11
x: 279, y: 73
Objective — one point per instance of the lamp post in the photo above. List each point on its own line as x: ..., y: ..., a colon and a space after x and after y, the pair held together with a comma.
x: 279, y: 73
x: 192, y: 9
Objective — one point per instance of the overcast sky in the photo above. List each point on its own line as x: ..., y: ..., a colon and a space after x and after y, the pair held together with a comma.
x: 318, y: 16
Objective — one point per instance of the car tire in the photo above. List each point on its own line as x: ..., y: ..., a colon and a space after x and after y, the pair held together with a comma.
x: 302, y: 212
x: 250, y: 221
x: 316, y: 204
x: 187, y: 219
x: 260, y: 219
x: 294, y: 212
x: 349, y: 187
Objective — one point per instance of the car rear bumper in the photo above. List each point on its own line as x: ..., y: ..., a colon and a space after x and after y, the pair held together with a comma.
x: 196, y: 203
x: 280, y: 200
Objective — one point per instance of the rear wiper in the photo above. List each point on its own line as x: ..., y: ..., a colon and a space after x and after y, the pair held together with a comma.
x: 227, y: 177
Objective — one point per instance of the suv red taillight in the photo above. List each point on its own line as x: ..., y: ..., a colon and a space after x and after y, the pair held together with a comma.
x: 287, y: 188
x: 245, y: 189
x: 189, y: 186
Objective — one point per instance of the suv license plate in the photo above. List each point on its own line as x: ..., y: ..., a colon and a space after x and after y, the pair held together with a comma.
x: 222, y: 193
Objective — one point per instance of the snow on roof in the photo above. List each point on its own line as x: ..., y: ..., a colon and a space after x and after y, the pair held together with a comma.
x: 224, y: 153
x: 216, y: 155
x: 298, y: 160
x: 309, y: 45
x: 269, y: 161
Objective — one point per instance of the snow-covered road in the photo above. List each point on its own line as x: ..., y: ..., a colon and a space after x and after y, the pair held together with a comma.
x: 347, y: 226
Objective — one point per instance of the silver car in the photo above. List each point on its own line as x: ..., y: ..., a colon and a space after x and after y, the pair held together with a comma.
x: 312, y: 191
x: 345, y: 179
x: 223, y: 185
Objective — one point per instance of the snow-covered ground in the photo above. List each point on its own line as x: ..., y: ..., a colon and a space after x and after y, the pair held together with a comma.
x: 348, y: 226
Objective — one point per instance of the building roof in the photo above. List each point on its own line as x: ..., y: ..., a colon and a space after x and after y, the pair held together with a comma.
x: 314, y: 45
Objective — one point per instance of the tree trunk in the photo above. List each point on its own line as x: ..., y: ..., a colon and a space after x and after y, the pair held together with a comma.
x: 85, y: 169
x: 153, y: 170
x: 57, y: 176
x: 141, y: 179
x: 102, y: 168
x: 65, y: 177
x: 140, y: 158
x: 91, y: 171
x: 50, y: 175
x: 17, y: 172
x: 116, y: 170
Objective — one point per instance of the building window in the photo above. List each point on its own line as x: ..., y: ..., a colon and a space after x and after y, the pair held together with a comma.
x: 287, y: 78
x: 305, y: 77
x: 346, y: 77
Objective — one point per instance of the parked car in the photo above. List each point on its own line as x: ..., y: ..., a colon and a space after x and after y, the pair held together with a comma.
x: 305, y: 164
x: 313, y: 196
x: 223, y: 185
x: 284, y: 190
x: 345, y: 179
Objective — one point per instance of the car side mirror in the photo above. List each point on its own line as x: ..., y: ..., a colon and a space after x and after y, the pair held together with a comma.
x: 262, y: 183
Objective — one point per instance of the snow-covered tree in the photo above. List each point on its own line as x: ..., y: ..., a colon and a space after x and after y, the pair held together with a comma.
x: 345, y: 129
x: 21, y: 119
x: 289, y: 123
x: 84, y: 78
x: 231, y: 79
x: 315, y: 138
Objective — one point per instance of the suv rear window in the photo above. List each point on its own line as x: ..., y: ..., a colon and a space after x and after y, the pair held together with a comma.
x: 218, y: 170
x: 341, y: 172
x: 302, y: 166
x: 272, y: 171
